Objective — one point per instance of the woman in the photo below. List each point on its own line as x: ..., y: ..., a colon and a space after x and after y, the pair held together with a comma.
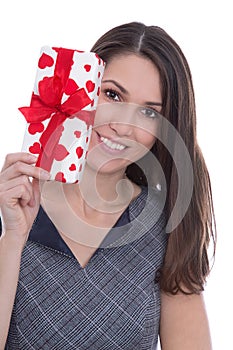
x: 109, y: 264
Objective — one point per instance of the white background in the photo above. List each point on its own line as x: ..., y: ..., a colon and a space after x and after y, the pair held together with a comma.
x: 203, y: 29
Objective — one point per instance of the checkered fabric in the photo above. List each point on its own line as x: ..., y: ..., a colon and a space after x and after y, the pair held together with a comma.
x: 112, y: 303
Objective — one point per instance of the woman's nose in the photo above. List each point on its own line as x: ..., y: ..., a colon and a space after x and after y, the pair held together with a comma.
x: 122, y: 128
x: 122, y: 122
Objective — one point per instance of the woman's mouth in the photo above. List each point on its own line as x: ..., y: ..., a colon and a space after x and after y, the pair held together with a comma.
x: 112, y: 145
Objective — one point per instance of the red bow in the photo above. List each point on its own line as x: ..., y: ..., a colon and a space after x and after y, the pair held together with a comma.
x: 48, y: 104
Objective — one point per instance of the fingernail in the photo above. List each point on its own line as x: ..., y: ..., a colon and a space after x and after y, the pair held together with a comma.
x: 45, y: 175
x: 32, y: 157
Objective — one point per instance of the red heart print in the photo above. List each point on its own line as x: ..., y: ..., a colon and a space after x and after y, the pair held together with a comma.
x: 98, y: 58
x: 87, y: 67
x: 87, y: 139
x: 72, y: 167
x: 79, y: 151
x: 45, y: 61
x: 60, y: 177
x: 98, y: 91
x: 35, y: 127
x: 60, y: 152
x: 80, y: 168
x: 90, y: 86
x: 71, y: 87
x: 35, y: 148
x: 77, y: 133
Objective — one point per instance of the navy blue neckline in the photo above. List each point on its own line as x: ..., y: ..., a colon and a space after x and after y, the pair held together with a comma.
x: 45, y: 232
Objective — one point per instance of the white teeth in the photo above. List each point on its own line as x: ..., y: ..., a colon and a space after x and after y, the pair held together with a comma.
x: 111, y: 144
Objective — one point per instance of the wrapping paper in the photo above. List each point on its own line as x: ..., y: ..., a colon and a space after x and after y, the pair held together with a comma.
x: 62, y: 110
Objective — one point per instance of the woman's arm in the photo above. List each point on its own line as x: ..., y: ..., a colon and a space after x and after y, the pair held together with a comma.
x: 19, y: 204
x: 10, y: 255
x: 184, y: 323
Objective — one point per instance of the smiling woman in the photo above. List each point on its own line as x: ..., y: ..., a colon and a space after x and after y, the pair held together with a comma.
x: 126, y: 130
x: 91, y: 265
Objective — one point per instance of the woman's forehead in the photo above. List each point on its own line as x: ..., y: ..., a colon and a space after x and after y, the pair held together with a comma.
x: 136, y: 74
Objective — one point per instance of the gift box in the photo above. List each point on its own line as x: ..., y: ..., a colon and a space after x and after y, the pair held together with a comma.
x: 62, y: 110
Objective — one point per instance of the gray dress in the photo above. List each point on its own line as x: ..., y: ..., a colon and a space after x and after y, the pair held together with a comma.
x: 112, y: 303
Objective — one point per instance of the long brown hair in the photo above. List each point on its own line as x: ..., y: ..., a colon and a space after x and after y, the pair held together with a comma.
x: 186, y: 264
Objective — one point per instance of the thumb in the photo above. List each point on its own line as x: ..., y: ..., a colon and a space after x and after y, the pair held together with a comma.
x: 36, y: 187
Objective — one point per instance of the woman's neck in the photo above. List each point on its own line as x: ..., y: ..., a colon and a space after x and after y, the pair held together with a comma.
x: 96, y: 193
x: 105, y: 192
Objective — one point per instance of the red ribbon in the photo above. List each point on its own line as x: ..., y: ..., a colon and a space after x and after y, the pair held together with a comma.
x: 48, y: 105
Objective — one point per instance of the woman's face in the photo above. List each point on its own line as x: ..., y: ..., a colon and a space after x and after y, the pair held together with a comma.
x: 127, y: 114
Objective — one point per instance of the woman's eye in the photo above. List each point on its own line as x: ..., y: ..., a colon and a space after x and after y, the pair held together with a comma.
x: 112, y: 95
x: 149, y: 112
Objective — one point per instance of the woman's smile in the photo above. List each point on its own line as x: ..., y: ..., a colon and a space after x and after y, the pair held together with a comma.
x: 110, y: 145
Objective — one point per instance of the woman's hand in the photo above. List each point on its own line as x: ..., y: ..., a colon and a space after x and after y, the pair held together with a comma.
x: 20, y: 194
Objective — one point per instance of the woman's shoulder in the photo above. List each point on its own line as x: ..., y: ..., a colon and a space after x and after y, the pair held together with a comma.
x: 146, y: 219
x: 149, y: 203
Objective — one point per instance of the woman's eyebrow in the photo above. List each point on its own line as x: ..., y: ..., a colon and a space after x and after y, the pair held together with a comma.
x: 123, y: 90
x: 149, y: 103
